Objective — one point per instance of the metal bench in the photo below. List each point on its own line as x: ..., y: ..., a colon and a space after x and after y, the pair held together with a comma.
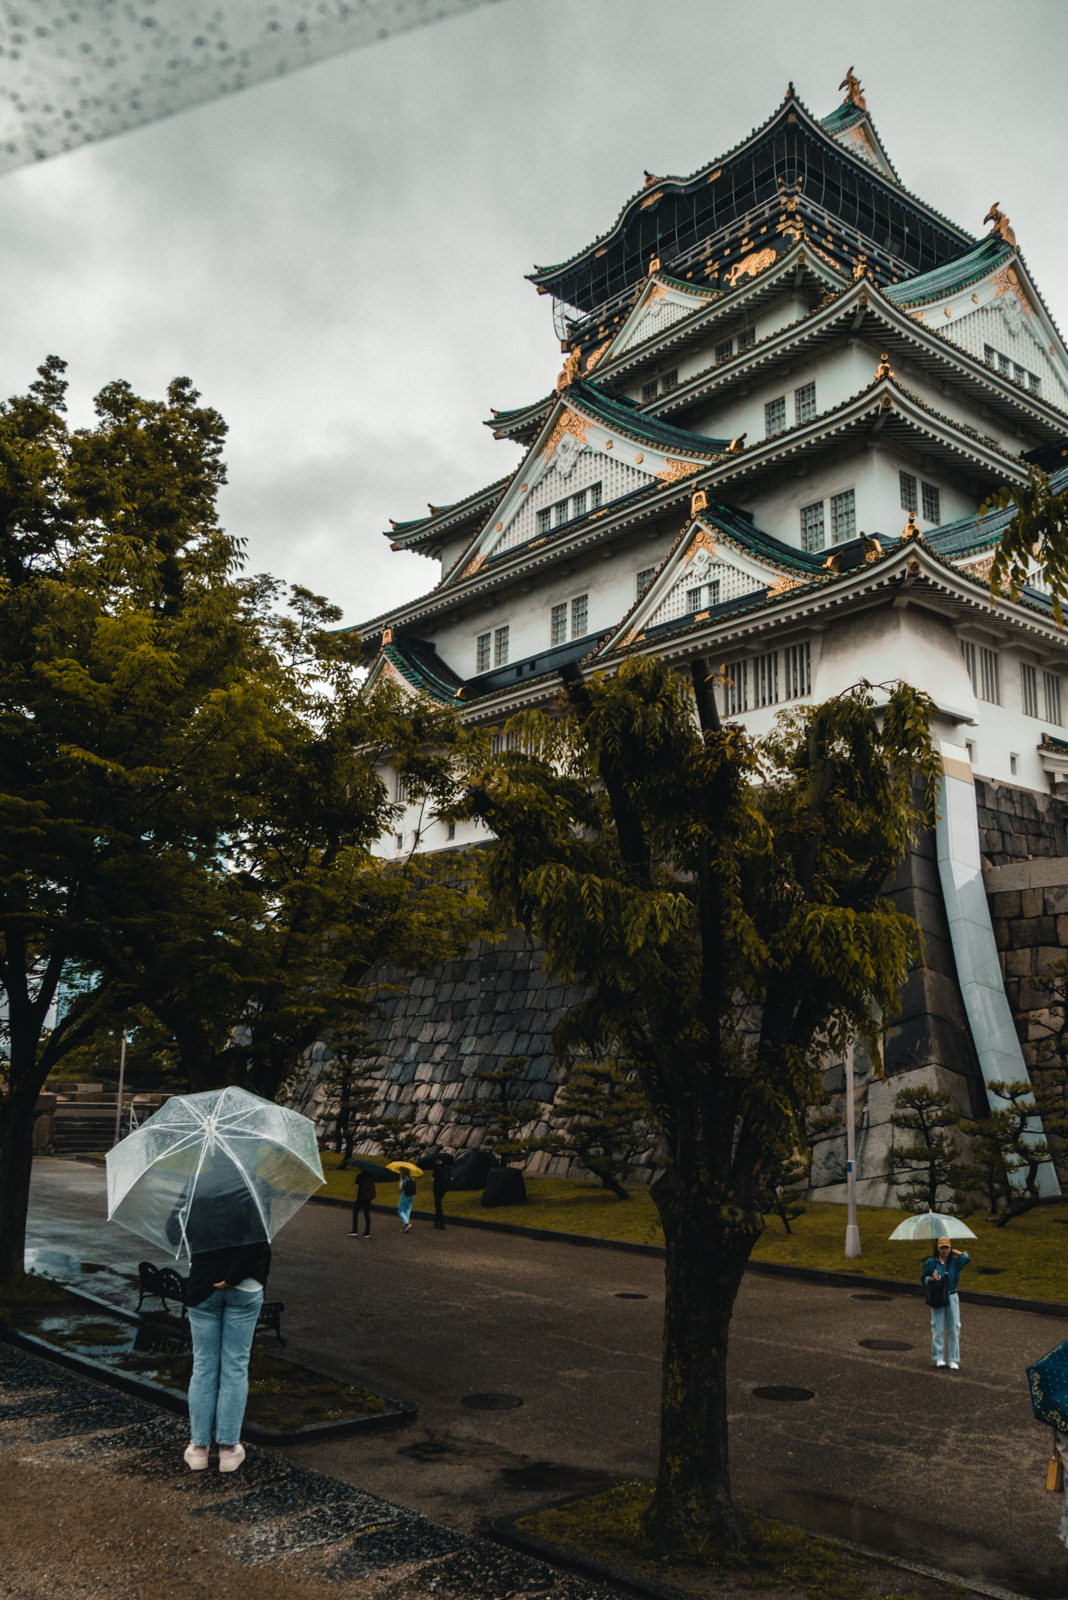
x: 164, y: 1284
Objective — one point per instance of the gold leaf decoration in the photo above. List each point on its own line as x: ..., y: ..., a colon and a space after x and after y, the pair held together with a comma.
x: 567, y: 422
x: 750, y: 265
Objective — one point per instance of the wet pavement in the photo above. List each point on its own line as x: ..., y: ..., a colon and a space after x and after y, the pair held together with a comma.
x: 945, y: 1470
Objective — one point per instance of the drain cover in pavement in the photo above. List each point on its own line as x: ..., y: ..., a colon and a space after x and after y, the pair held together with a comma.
x: 623, y: 1295
x: 491, y: 1402
x: 782, y: 1391
x: 872, y: 1297
x: 885, y: 1344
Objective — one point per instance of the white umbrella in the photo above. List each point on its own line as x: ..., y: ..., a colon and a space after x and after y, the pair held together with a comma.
x: 932, y: 1225
x: 213, y: 1171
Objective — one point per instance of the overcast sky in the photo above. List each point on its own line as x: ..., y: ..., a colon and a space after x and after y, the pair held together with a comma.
x: 337, y: 258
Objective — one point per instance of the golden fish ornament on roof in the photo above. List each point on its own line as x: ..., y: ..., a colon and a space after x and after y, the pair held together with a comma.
x: 851, y: 84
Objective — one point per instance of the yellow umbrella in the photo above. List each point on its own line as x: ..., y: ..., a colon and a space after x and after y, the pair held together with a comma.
x: 405, y: 1166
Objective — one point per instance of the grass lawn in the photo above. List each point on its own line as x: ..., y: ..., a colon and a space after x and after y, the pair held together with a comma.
x: 1031, y: 1253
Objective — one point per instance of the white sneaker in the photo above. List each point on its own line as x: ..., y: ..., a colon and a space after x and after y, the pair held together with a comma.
x: 196, y: 1457
x: 954, y: 1366
x: 940, y: 1364
x: 231, y: 1457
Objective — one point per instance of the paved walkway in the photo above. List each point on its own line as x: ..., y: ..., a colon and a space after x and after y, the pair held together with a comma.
x: 945, y: 1470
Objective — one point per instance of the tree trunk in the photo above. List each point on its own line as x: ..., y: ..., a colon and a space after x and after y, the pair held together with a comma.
x: 16, y: 1165
x: 708, y: 1246
x: 610, y: 1181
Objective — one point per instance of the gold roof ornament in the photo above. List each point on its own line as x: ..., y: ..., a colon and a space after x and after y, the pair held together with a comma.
x: 860, y: 267
x: 911, y: 531
x: 736, y: 446
x: 1001, y: 223
x: 832, y: 564
x: 387, y: 636
x: 851, y: 84
x: 698, y: 502
x: 871, y: 546
x: 570, y: 369
x: 884, y: 369
x: 654, y: 265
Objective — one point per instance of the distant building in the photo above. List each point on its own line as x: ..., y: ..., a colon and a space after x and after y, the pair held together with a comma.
x: 788, y: 386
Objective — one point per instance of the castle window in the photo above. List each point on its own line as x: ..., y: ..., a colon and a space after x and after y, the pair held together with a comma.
x: 725, y: 350
x: 932, y: 503
x: 984, y: 670
x: 545, y: 519
x: 909, y: 502
x: 1051, y: 688
x: 399, y: 838
x: 746, y: 339
x: 482, y: 652
x: 797, y: 664
x: 580, y: 610
x: 558, y: 624
x: 705, y: 594
x: 766, y: 679
x: 669, y: 381
x: 450, y: 830
x: 843, y: 516
x: 595, y: 496
x: 1014, y: 762
x: 645, y: 580
x: 1034, y: 383
x: 1029, y: 689
x: 578, y: 504
x: 736, y: 688
x: 775, y: 416
x: 400, y: 789
x: 990, y: 355
x: 500, y: 646
x: 812, y: 526
x: 805, y: 403
x: 649, y: 391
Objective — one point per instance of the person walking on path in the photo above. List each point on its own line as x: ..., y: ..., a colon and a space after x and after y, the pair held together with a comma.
x: 940, y: 1277
x: 442, y: 1169
x: 365, y: 1193
x: 404, y: 1203
x: 223, y: 1296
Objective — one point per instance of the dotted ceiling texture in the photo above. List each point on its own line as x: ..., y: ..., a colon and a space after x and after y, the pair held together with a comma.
x: 74, y: 71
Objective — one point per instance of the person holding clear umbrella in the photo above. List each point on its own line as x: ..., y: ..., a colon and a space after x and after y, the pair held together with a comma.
x: 216, y: 1175
x: 940, y: 1277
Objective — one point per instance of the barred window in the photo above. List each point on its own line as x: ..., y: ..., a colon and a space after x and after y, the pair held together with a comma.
x: 545, y: 519
x: 645, y: 580
x: 482, y: 652
x: 990, y: 355
x: 989, y: 676
x: 669, y: 381
x: 932, y: 503
x: 775, y: 416
x: 1029, y: 689
x: 746, y: 339
x: 909, y: 501
x: 805, y: 403
x: 843, y: 516
x: 560, y: 512
x: 797, y: 671
x: 595, y: 496
x: 736, y: 688
x: 558, y: 624
x: 500, y: 646
x: 705, y: 594
x: 766, y: 679
x: 450, y: 830
x: 578, y: 504
x: 1051, y: 687
x: 400, y: 789
x: 725, y: 350
x: 812, y: 526
x: 580, y: 608
x: 1034, y: 383
x: 649, y: 391
x: 967, y: 650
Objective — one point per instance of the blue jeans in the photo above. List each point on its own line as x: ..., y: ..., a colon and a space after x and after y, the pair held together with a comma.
x: 945, y: 1331
x: 222, y: 1328
x: 404, y: 1207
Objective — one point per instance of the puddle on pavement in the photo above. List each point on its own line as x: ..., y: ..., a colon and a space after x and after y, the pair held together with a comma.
x: 928, y: 1543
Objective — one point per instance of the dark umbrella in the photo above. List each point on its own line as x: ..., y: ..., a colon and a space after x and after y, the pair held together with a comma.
x: 1048, y: 1382
x: 374, y: 1169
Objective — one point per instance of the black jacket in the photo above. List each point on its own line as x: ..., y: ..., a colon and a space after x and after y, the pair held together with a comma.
x: 231, y: 1266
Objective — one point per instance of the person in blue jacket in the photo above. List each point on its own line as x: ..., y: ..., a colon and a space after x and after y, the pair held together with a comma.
x: 940, y: 1277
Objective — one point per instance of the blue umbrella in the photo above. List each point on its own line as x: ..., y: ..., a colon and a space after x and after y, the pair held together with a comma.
x: 1048, y: 1382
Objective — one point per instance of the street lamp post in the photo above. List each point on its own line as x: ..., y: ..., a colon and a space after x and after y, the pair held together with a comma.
x: 852, y: 1238
x: 122, y: 1081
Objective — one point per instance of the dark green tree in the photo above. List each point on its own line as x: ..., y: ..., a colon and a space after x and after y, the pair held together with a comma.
x: 505, y: 1106
x: 721, y: 901
x: 1014, y: 1136
x: 931, y: 1154
x: 607, y: 1120
x: 1036, y: 539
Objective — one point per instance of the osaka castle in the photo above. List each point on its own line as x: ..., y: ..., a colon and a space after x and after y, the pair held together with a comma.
x: 788, y: 385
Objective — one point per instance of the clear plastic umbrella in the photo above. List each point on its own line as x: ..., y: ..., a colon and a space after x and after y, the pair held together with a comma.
x: 932, y: 1225
x: 212, y: 1171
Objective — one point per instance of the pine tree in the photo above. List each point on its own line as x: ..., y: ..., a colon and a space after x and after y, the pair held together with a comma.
x: 505, y: 1108
x: 927, y: 1114
x: 608, y: 1120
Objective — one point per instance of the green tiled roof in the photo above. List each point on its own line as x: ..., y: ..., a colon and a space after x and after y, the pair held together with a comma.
x: 421, y: 666
x: 968, y: 534
x: 952, y: 276
x: 434, y: 512
x: 627, y: 416
x: 842, y: 116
